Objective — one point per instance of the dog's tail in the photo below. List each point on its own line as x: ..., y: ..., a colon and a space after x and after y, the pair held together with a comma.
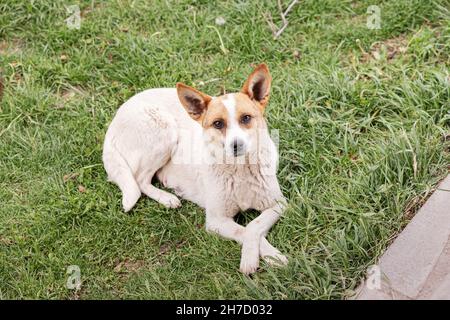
x: 120, y: 173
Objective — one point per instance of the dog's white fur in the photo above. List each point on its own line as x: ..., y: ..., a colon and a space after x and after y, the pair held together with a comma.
x: 152, y: 134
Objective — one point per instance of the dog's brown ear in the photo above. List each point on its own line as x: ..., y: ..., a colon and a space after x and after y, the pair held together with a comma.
x: 194, y: 101
x: 257, y: 86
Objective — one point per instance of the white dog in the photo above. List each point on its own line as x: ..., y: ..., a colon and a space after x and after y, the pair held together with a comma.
x: 214, y: 151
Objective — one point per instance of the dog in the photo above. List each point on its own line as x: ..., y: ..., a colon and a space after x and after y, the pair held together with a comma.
x: 213, y: 151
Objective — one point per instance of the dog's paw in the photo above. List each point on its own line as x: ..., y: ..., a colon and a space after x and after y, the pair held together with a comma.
x: 249, y: 259
x: 249, y: 265
x: 276, y: 259
x: 272, y: 255
x: 170, y: 201
x: 129, y: 200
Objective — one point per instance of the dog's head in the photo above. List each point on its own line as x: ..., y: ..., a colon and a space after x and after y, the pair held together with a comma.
x: 231, y: 122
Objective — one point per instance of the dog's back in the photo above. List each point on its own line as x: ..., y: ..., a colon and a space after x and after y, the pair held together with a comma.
x: 140, y: 141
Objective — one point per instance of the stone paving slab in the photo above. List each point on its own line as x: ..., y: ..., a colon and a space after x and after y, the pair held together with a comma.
x: 445, y: 184
x: 417, y: 264
x: 438, y: 282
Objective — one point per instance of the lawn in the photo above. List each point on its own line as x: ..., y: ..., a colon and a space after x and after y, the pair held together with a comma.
x: 363, y: 120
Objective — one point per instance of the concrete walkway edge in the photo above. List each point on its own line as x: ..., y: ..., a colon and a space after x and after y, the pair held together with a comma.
x: 417, y: 264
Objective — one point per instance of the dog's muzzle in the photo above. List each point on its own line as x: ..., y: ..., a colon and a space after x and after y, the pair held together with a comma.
x: 238, y: 147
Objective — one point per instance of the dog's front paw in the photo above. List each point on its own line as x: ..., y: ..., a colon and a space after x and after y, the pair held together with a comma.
x: 170, y: 201
x: 276, y: 259
x: 249, y: 257
x: 272, y: 255
x: 129, y: 199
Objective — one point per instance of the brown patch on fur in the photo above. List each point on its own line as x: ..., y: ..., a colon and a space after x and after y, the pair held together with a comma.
x: 257, y: 86
x: 245, y: 106
x: 194, y: 101
x: 216, y: 111
x: 252, y: 100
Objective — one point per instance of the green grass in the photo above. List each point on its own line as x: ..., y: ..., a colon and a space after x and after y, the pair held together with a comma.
x: 362, y: 141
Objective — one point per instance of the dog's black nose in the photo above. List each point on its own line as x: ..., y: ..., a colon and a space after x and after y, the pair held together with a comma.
x: 238, y: 147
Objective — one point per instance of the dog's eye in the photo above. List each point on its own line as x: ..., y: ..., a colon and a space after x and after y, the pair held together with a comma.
x: 218, y: 124
x: 245, y: 119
